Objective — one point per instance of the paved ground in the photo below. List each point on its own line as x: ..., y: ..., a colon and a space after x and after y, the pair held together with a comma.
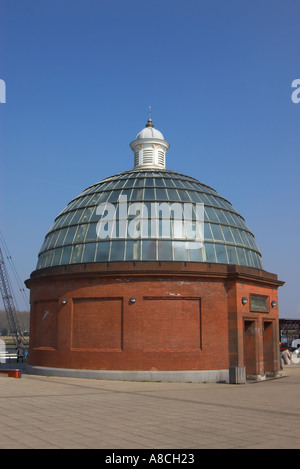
x: 46, y: 412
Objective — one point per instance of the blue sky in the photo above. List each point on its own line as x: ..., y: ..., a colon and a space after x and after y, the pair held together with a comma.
x: 80, y: 75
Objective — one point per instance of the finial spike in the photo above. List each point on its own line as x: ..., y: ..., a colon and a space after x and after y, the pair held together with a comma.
x: 149, y: 123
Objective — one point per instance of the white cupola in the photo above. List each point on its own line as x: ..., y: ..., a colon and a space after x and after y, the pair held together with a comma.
x: 149, y: 147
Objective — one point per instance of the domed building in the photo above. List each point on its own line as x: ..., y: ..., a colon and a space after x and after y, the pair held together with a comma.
x: 152, y: 275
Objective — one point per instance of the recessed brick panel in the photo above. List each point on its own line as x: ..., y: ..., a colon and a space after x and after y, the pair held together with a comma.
x: 45, y: 324
x: 172, y: 324
x: 97, y: 323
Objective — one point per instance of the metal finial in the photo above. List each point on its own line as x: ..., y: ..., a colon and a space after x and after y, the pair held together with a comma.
x: 149, y: 123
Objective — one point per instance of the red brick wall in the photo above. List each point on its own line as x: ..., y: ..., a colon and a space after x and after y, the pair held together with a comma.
x: 182, y: 319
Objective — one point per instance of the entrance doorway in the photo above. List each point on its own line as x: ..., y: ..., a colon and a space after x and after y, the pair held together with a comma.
x: 269, y: 357
x: 249, y: 347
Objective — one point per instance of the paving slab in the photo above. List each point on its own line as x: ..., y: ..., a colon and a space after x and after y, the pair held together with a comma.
x: 39, y: 412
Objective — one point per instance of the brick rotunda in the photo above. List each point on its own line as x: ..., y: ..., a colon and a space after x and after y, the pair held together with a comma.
x: 152, y: 275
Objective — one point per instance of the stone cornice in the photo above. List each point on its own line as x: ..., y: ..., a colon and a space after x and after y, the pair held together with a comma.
x: 157, y: 269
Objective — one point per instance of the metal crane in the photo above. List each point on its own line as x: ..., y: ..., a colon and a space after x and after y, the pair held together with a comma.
x: 9, y: 305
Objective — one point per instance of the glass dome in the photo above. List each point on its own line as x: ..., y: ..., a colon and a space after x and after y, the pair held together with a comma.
x: 73, y: 238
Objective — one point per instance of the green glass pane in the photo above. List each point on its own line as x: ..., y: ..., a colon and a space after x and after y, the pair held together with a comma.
x: 89, y: 252
x: 161, y: 194
x: 159, y: 182
x: 117, y: 251
x: 227, y: 234
x: 195, y: 255
x: 180, y: 251
x: 70, y: 235
x: 210, y: 252
x: 91, y: 232
x: 61, y: 237
x: 80, y: 233
x: 221, y: 253
x: 232, y: 255
x: 149, y: 250
x: 76, y: 254
x: 216, y: 231
x: 149, y: 194
x: 133, y: 250
x: 165, y: 250
x: 173, y: 195
x: 102, y: 254
x: 207, y: 231
x: 57, y: 256
x: 65, y: 259
x: 241, y: 256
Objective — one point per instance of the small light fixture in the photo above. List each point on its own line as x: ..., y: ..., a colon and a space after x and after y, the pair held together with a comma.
x: 64, y: 301
x: 273, y: 304
x: 132, y: 299
x: 244, y: 300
